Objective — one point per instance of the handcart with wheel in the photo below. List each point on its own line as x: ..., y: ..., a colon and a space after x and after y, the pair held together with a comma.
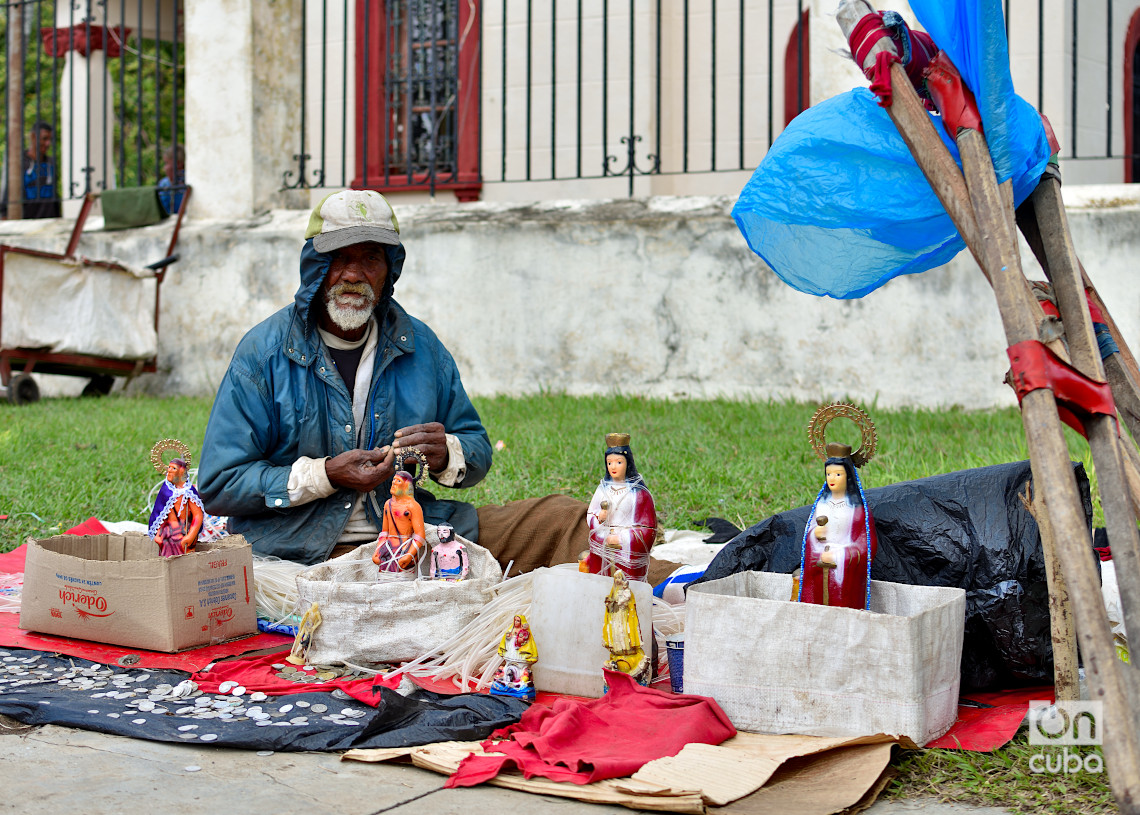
x: 75, y: 316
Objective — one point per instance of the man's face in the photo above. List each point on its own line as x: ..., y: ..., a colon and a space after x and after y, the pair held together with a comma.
x: 43, y: 142
x: 354, y: 282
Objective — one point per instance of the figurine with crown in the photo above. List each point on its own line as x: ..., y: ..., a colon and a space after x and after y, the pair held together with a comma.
x: 839, y: 542
x: 621, y: 516
x: 177, y: 515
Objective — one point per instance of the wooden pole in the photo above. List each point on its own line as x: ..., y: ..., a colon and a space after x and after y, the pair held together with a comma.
x: 1112, y: 682
x: 1064, y: 273
x: 1065, y: 675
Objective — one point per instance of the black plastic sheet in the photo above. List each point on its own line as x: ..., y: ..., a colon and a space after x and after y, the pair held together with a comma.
x: 398, y: 721
x: 967, y: 529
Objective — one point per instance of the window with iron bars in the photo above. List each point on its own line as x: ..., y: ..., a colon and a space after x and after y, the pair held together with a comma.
x: 417, y: 88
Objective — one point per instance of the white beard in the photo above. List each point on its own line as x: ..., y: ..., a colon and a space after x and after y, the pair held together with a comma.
x: 349, y: 317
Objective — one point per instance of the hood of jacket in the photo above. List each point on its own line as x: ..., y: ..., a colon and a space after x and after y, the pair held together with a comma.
x: 314, y: 269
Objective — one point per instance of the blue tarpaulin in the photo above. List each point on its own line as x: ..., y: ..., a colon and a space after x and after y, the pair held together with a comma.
x: 838, y: 206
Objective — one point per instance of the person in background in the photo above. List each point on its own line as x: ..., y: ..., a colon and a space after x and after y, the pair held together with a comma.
x: 41, y: 199
x: 172, y: 186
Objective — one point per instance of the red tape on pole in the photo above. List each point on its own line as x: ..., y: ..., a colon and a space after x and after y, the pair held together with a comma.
x: 1033, y: 366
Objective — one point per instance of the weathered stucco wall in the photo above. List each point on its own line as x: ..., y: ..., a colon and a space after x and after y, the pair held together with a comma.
x: 657, y: 297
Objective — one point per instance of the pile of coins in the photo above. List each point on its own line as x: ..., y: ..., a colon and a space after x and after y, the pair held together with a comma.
x: 146, y: 698
x: 315, y: 673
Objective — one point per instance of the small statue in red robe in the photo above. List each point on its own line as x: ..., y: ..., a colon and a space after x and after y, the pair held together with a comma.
x: 840, y: 541
x: 621, y: 516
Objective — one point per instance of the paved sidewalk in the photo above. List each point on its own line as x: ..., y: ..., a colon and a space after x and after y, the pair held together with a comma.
x: 51, y: 769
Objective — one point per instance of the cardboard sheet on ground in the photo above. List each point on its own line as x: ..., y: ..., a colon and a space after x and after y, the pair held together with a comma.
x: 702, y: 775
x: 12, y: 636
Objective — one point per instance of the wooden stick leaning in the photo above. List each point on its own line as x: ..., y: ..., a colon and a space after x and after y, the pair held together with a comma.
x: 1064, y: 272
x: 1118, y: 366
x: 1112, y: 682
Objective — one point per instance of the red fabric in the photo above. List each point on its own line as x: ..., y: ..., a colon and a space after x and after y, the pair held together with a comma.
x: 610, y: 737
x: 922, y: 51
x: 864, y: 36
x: 953, y: 99
x: 1050, y: 308
x: 1050, y: 136
x: 91, y: 526
x: 258, y: 674
x: 84, y: 38
x: 984, y: 729
x: 1033, y: 366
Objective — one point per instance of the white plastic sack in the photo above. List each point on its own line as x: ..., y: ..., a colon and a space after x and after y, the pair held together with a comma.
x: 366, y: 620
x: 776, y: 666
x: 73, y: 307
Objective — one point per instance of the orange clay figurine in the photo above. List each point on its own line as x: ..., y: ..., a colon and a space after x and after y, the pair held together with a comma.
x: 402, y: 538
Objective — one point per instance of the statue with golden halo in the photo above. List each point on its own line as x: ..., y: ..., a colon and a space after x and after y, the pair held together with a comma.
x: 621, y: 516
x: 176, y: 518
x: 839, y: 542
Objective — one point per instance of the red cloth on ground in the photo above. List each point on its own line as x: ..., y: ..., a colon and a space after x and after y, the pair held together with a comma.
x: 610, y: 737
x: 258, y: 674
x: 984, y: 729
x: 92, y: 526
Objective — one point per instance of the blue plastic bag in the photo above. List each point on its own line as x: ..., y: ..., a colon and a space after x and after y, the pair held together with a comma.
x: 838, y: 206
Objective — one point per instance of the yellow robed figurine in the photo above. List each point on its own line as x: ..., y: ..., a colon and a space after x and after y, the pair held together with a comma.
x: 518, y: 650
x: 299, y: 653
x: 622, y: 634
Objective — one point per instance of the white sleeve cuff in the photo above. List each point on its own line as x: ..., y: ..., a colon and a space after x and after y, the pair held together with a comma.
x: 308, y: 481
x: 455, y: 471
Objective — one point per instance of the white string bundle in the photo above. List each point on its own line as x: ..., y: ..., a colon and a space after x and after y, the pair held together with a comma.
x: 470, y: 657
x: 275, y: 586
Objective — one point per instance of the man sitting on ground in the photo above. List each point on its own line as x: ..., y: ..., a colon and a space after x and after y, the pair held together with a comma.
x: 300, y: 446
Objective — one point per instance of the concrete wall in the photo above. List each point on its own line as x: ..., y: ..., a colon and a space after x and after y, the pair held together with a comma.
x: 658, y: 296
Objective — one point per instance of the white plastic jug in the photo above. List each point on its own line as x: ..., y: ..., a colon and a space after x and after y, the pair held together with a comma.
x: 566, y: 615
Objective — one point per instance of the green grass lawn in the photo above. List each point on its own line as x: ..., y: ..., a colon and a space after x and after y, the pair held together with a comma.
x: 65, y: 460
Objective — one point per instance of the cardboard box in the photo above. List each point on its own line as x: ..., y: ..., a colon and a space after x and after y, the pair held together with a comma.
x: 776, y: 666
x: 117, y: 589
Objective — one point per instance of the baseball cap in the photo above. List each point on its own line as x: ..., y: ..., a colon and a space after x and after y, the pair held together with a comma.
x: 352, y: 216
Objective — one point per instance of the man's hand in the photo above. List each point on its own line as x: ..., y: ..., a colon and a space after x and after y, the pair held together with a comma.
x: 430, y: 438
x: 361, y: 470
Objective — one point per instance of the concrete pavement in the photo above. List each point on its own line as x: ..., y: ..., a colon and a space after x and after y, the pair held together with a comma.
x: 53, y: 769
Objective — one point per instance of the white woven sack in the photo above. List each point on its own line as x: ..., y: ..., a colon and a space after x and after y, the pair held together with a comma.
x: 366, y: 620
x: 776, y: 666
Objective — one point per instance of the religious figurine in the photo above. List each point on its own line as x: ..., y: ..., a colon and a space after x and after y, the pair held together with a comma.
x: 176, y: 518
x: 621, y: 633
x: 518, y: 650
x: 621, y: 516
x: 298, y: 654
x: 840, y: 541
x: 402, y: 537
x: 449, y: 558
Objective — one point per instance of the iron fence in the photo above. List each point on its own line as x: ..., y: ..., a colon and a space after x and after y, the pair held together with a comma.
x: 455, y: 94
x: 104, y: 78
x: 586, y: 89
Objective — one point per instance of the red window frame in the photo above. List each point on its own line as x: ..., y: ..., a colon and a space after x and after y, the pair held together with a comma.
x: 794, y: 106
x: 1130, y: 142
x: 372, y: 39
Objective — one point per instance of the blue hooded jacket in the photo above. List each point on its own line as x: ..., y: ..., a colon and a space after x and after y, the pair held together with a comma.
x: 282, y: 398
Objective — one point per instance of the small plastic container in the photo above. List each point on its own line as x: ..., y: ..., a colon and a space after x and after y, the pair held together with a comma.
x: 566, y: 616
x: 675, y: 648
